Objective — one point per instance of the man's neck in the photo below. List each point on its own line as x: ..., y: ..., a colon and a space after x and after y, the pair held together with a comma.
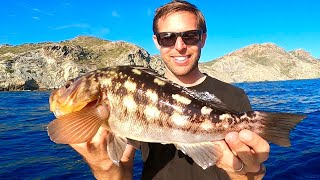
x: 195, y: 77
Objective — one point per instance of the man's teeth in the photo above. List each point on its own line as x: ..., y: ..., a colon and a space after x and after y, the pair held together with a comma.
x: 180, y: 58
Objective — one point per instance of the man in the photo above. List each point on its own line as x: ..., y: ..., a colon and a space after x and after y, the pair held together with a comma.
x: 180, y: 33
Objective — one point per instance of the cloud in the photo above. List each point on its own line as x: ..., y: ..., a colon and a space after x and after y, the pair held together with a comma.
x: 36, y: 18
x: 35, y: 9
x: 41, y: 12
x: 80, y: 25
x: 115, y: 14
x: 66, y: 5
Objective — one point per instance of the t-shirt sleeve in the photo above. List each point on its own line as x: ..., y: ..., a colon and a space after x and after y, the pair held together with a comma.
x: 245, y: 103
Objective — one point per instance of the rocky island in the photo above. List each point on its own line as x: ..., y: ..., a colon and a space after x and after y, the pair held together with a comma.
x: 45, y: 66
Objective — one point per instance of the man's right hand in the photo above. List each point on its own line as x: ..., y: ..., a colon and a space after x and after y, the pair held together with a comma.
x: 95, y: 153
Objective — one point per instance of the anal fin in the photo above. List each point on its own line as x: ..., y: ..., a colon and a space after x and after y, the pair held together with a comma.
x: 116, y: 147
x: 205, y: 154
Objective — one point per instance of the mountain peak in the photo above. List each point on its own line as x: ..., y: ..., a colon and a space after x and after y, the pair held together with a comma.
x: 86, y: 41
x: 302, y: 55
x: 264, y: 47
x: 259, y: 50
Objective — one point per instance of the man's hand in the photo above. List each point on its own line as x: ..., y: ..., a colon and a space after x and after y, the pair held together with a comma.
x: 243, y: 154
x: 96, y: 155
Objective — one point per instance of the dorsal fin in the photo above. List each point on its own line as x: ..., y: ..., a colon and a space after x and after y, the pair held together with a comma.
x: 209, y: 99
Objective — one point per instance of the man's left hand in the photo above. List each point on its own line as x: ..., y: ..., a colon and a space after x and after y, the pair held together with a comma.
x: 243, y: 155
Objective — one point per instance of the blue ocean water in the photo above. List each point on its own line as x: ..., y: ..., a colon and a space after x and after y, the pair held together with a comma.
x: 27, y: 152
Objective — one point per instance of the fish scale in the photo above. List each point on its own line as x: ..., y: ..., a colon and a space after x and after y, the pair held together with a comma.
x: 166, y: 110
x: 136, y: 103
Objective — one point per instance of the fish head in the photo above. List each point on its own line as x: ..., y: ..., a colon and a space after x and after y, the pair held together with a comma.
x: 79, y: 93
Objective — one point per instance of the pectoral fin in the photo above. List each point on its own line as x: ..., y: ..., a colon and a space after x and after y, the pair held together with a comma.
x: 116, y: 147
x: 204, y: 154
x: 76, y: 127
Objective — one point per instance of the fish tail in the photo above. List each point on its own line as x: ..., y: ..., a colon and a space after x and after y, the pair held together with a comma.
x: 277, y: 126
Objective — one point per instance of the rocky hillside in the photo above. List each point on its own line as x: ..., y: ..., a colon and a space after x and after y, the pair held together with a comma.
x: 263, y: 62
x: 49, y: 65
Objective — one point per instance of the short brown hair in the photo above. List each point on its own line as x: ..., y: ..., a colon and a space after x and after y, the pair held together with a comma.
x: 176, y: 6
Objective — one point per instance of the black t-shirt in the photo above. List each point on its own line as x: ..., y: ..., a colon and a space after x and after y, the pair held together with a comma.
x: 166, y: 162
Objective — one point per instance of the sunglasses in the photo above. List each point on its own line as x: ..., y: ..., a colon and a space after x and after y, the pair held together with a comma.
x: 168, y: 39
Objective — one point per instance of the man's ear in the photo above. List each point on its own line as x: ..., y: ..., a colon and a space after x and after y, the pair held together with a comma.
x: 154, y: 37
x: 203, y: 39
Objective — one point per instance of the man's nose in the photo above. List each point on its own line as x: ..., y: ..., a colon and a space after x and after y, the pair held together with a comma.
x: 180, y: 45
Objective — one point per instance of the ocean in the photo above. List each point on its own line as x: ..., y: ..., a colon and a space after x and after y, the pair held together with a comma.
x: 27, y: 152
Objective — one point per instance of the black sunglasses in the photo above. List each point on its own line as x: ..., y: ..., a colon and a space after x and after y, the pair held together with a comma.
x: 168, y: 39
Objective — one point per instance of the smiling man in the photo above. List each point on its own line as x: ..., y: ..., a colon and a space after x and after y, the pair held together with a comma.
x: 180, y: 34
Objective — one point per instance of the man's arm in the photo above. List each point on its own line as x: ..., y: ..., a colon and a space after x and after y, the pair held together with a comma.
x: 95, y: 154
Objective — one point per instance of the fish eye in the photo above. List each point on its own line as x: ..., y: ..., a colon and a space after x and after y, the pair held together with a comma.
x: 67, y: 86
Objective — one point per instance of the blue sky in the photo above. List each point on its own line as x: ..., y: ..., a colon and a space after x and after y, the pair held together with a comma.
x: 232, y: 24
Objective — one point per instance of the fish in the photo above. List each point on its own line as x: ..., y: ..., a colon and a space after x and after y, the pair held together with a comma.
x: 136, y: 103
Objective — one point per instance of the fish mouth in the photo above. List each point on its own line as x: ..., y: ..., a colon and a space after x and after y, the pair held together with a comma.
x: 57, y: 113
x: 60, y: 112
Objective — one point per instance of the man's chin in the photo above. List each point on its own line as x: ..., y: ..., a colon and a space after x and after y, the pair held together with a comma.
x: 181, y: 71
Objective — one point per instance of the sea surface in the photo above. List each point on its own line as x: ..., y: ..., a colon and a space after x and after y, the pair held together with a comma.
x: 26, y: 151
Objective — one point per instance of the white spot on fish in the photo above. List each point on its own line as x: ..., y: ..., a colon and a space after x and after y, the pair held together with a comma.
x: 112, y: 75
x: 206, y: 125
x: 136, y: 71
x: 152, y: 95
x: 179, y: 119
x: 224, y: 120
x: 151, y: 112
x: 181, y: 99
x: 130, y: 86
x: 206, y: 110
x: 129, y: 102
x: 106, y: 82
x: 225, y: 124
x: 159, y: 81
x: 110, y: 97
x: 117, y: 85
x: 224, y: 117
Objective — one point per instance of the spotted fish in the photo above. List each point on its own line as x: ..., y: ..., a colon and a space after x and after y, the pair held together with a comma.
x: 136, y: 103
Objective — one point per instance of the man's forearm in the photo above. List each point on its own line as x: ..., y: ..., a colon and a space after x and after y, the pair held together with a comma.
x: 112, y: 171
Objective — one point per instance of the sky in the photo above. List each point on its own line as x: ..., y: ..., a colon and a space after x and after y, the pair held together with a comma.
x: 231, y: 24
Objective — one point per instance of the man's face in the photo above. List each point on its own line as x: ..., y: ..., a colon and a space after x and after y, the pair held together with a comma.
x: 180, y: 58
